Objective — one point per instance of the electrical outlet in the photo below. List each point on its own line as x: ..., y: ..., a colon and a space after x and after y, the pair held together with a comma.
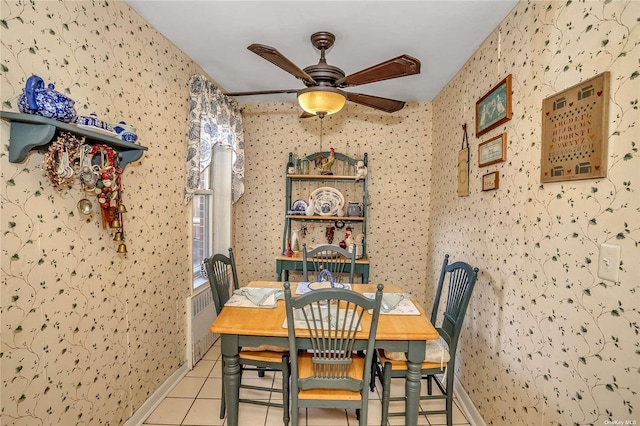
x: 609, y: 262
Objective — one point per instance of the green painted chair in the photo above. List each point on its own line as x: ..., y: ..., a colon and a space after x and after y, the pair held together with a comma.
x: 440, y: 355
x: 223, y: 278
x: 330, y: 374
x: 340, y: 262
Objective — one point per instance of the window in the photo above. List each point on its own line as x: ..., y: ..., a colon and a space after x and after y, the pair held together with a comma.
x: 202, y: 225
x: 211, y: 205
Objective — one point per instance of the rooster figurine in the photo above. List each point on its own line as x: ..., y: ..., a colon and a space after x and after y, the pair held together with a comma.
x: 328, y: 163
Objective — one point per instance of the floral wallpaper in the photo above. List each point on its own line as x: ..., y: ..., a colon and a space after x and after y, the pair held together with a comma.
x: 88, y: 334
x: 399, y: 163
x: 546, y: 340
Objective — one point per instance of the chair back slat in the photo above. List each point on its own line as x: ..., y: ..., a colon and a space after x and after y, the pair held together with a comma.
x: 338, y: 261
x: 461, y: 280
x: 332, y: 318
x: 223, y: 278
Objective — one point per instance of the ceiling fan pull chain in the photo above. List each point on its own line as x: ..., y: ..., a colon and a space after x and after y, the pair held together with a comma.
x: 321, y: 120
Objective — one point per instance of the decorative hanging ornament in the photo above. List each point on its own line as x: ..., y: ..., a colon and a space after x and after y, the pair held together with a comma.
x: 109, y: 192
x: 60, y: 159
x: 108, y: 184
x: 103, y: 180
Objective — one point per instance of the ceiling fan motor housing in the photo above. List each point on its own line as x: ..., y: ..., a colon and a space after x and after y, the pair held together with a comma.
x: 324, y: 74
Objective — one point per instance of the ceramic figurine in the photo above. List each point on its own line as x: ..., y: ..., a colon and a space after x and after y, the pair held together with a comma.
x: 310, y: 210
x: 93, y: 121
x: 361, y: 170
x: 328, y: 163
x: 126, y: 132
x: 45, y: 102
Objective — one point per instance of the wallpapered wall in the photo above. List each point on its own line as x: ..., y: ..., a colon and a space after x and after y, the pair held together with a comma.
x: 546, y: 341
x: 399, y: 152
x: 87, y: 334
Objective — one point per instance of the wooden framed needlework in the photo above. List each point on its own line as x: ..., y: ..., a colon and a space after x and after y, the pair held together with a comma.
x: 491, y: 181
x: 492, y: 151
x: 494, y: 108
x: 575, y: 132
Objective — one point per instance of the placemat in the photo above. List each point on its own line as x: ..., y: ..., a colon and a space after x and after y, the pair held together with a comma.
x: 405, y: 307
x: 240, y: 300
x: 303, y: 287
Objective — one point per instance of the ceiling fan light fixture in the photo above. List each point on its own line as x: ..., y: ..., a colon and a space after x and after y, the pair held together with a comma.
x: 322, y: 100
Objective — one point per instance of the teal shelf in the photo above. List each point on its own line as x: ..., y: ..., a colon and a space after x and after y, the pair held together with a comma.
x: 33, y: 132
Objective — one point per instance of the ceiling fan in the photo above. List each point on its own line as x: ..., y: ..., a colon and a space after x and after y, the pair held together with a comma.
x: 324, y: 94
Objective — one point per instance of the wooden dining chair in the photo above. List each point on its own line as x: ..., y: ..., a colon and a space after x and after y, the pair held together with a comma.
x: 440, y: 355
x: 223, y: 278
x: 330, y: 374
x: 340, y: 262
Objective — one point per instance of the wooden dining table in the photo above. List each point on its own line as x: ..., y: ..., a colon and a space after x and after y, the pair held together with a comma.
x: 249, y: 326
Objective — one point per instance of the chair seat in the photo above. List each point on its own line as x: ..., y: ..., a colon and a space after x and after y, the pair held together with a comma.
x: 436, y: 351
x: 262, y: 348
x: 265, y: 356
x: 402, y: 365
x: 305, y: 368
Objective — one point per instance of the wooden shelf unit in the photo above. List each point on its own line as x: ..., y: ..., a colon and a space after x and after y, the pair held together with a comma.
x: 285, y: 264
x: 33, y: 132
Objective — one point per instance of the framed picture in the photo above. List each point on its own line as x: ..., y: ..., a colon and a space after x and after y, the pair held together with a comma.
x: 575, y: 132
x: 492, y: 151
x: 494, y: 108
x: 491, y: 181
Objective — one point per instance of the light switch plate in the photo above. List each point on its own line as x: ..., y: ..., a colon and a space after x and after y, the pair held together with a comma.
x: 609, y: 262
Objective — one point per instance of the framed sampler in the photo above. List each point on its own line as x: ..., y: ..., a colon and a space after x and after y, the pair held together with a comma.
x: 491, y: 181
x: 492, y: 151
x: 494, y: 108
x: 575, y: 132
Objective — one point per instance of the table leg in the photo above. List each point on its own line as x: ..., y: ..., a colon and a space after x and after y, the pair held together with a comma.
x: 231, y: 376
x: 415, y: 356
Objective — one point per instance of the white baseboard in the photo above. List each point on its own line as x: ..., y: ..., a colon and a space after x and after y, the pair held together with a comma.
x: 156, y: 398
x: 466, y: 405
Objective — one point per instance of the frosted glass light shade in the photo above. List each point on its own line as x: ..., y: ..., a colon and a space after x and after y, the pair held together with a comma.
x: 321, y: 100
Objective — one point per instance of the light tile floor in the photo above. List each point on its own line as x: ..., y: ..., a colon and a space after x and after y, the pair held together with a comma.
x: 195, y: 401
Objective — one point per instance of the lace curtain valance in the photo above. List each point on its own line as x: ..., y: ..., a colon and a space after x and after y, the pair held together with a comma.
x: 214, y: 118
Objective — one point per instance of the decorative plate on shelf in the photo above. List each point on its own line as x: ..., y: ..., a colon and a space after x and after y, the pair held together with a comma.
x: 327, y: 201
x: 299, y: 205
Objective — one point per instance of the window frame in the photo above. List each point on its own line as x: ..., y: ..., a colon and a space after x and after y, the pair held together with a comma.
x: 198, y: 278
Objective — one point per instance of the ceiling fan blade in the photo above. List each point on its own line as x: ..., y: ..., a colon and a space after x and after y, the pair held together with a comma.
x: 305, y: 114
x: 393, y: 68
x: 279, y: 60
x: 261, y: 92
x: 383, y: 104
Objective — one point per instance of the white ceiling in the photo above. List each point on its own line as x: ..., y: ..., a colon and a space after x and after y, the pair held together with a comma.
x: 442, y: 34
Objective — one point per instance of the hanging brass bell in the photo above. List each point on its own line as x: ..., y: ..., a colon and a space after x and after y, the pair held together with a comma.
x: 117, y: 236
x: 121, y: 208
x: 115, y: 223
x: 122, y: 248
